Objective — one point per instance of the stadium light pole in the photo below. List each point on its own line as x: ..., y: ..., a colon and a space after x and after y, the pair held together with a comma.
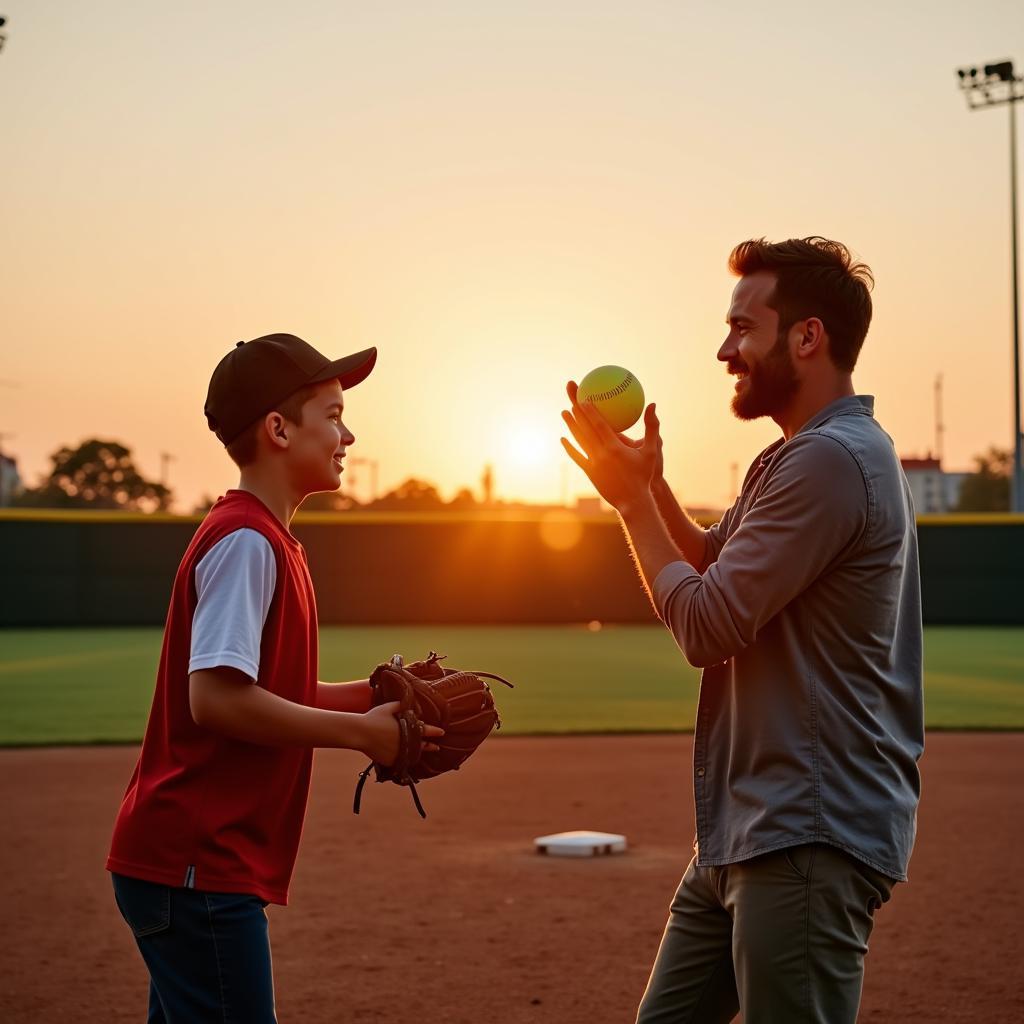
x: 991, y: 85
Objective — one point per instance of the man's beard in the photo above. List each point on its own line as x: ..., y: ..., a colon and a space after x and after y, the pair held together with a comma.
x: 770, y: 386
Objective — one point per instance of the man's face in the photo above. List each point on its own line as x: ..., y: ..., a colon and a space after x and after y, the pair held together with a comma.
x: 757, y: 351
x: 317, y: 445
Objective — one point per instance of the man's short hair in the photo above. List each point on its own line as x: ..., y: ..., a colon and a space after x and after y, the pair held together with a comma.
x: 816, y: 277
x: 244, y: 449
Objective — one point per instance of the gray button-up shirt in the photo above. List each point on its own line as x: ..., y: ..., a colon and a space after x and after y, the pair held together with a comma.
x: 806, y: 618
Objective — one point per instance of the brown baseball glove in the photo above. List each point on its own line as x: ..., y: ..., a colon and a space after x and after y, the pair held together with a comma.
x: 459, y: 702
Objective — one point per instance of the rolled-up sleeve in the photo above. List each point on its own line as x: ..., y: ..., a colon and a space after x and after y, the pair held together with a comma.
x: 812, y: 507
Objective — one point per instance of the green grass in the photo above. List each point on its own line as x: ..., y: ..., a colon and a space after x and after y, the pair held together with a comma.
x: 95, y: 685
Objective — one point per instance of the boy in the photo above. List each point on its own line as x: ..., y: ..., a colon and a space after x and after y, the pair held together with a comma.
x: 209, y: 827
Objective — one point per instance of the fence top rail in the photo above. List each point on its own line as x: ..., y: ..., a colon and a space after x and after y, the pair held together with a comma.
x: 971, y: 519
x: 50, y: 515
x: 341, y: 518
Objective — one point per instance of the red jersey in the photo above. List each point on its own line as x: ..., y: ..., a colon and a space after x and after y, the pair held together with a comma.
x: 202, y: 810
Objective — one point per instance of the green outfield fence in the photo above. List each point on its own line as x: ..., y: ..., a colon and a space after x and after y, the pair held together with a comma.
x: 60, y: 568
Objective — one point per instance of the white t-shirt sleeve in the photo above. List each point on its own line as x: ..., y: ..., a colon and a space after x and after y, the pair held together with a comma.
x: 235, y: 583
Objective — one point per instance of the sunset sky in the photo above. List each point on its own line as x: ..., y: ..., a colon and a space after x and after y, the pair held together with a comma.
x: 499, y: 196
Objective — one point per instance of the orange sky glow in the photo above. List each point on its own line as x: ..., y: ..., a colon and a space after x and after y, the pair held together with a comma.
x: 499, y: 197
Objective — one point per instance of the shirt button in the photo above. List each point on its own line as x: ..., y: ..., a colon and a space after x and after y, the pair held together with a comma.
x: 700, y: 772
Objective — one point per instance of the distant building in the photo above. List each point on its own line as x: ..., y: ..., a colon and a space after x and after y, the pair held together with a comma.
x: 594, y: 506
x: 705, y: 514
x: 934, y: 491
x: 589, y: 507
x: 10, y: 481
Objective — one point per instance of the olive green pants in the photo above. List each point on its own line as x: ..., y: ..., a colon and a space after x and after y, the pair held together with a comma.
x: 780, y: 937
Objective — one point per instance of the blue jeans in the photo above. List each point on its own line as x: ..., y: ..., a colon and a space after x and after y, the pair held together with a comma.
x: 208, y: 953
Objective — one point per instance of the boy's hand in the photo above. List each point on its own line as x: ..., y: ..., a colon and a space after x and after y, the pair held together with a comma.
x: 381, y: 739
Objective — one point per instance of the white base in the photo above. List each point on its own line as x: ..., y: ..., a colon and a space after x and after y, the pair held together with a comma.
x: 580, y: 844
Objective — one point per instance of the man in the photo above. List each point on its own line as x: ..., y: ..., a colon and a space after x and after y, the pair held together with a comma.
x: 803, y: 608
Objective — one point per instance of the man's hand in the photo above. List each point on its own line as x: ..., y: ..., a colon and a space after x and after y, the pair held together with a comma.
x: 380, y: 733
x: 658, y: 479
x: 622, y: 470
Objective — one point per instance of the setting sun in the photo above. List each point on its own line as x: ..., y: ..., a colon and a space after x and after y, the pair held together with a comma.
x: 528, y: 458
x: 525, y: 444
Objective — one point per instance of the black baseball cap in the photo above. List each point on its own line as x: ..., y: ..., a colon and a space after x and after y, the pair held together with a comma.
x: 257, y: 375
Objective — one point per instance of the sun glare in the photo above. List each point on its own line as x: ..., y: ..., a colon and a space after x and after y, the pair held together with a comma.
x: 528, y: 458
x: 526, y: 445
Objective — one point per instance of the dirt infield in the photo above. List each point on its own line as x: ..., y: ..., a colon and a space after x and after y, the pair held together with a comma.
x: 373, y: 933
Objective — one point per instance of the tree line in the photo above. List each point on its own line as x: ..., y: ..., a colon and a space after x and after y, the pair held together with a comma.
x: 102, y: 475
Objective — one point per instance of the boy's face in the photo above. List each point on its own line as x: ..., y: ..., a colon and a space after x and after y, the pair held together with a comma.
x: 317, y: 445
